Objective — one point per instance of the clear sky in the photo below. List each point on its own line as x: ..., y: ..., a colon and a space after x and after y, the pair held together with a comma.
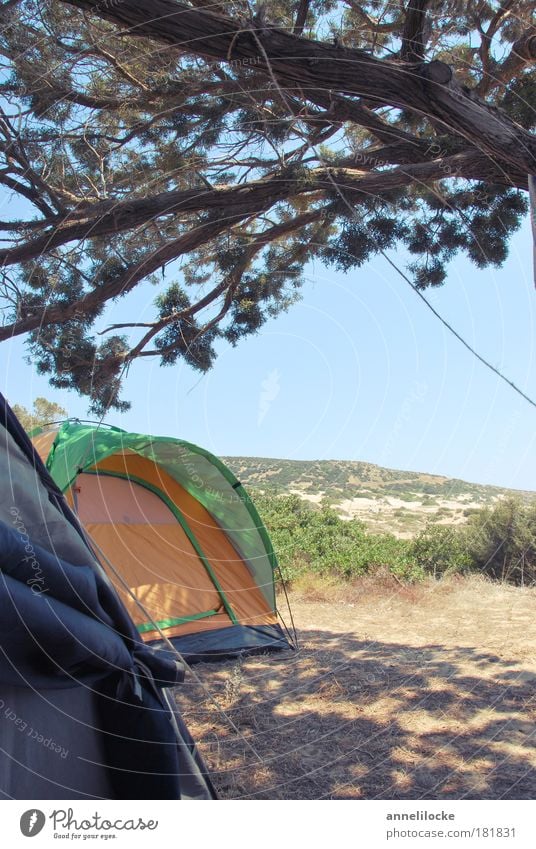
x: 359, y: 370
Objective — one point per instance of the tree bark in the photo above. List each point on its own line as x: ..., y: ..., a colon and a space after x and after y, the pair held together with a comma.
x: 233, y: 203
x: 412, y: 49
x: 289, y: 59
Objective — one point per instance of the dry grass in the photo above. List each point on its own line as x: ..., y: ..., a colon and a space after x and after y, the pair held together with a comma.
x: 427, y: 691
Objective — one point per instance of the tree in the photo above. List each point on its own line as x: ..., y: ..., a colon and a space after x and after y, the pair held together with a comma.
x: 502, y: 541
x: 214, y: 150
x: 441, y: 550
x: 43, y: 413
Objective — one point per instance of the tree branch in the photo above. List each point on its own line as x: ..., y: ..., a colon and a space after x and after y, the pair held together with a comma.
x: 428, y: 89
x: 30, y: 194
x: 523, y: 52
x: 239, y: 201
x: 230, y: 283
x: 485, y: 44
x: 301, y: 17
x: 60, y: 313
x: 413, y: 45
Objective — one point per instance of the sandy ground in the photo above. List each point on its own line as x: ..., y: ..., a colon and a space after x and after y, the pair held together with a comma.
x: 354, y: 507
x: 314, y: 498
x: 394, y: 693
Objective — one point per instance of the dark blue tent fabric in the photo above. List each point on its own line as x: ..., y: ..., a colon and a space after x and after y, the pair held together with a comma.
x: 56, y: 629
x: 11, y: 425
x: 62, y: 626
x: 220, y: 643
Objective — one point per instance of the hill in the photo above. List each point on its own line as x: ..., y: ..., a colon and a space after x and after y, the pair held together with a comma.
x: 385, y: 499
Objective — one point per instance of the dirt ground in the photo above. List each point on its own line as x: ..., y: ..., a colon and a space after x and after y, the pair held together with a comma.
x: 425, y: 692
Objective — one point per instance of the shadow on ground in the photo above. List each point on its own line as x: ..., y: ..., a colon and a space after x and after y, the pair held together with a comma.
x: 344, y: 718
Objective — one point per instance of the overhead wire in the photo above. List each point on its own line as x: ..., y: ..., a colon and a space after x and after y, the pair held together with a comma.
x: 379, y: 249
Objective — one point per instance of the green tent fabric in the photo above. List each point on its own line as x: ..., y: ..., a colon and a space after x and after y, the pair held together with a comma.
x: 79, y: 449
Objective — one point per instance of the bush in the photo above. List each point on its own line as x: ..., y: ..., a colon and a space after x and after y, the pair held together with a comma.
x: 318, y: 540
x: 441, y: 550
x: 499, y: 542
x: 502, y: 541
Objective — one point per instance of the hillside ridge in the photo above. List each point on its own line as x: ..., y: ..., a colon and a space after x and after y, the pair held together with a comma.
x: 395, y: 500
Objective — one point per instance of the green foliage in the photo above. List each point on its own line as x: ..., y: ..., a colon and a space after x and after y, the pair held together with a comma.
x: 520, y: 98
x: 502, y: 541
x: 182, y: 336
x: 499, y: 542
x: 153, y: 141
x: 440, y: 551
x: 43, y: 412
x: 76, y: 361
x: 318, y: 540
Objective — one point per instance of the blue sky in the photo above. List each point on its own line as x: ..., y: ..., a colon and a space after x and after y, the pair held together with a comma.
x: 359, y: 370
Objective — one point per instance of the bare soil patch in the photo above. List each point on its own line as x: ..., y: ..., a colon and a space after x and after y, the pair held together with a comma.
x: 424, y: 692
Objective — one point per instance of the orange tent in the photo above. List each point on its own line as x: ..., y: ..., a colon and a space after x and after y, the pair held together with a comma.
x: 186, y: 548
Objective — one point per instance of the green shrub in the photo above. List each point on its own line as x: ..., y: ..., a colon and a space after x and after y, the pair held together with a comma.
x: 318, y: 540
x: 502, y: 541
x: 499, y: 542
x: 441, y: 550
